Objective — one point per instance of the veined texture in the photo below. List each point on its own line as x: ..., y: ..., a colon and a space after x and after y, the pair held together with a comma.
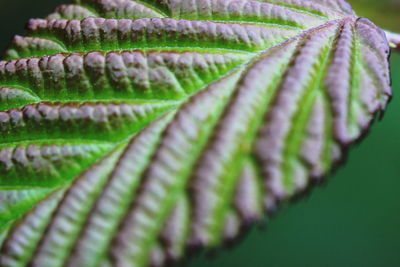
x: 131, y: 131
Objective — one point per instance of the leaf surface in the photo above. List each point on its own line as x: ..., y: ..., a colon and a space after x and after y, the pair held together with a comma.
x: 134, y: 130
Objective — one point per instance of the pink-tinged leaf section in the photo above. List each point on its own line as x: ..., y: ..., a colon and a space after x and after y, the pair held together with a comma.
x: 132, y: 131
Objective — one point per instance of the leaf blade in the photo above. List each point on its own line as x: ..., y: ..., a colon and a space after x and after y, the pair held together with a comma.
x: 289, y: 85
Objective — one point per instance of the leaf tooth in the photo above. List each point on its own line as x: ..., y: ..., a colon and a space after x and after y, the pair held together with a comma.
x: 157, y: 256
x: 176, y: 230
x: 232, y: 226
x: 63, y: 228
x: 372, y: 98
x: 121, y: 188
x: 175, y: 156
x: 23, y: 237
x: 250, y: 194
x: 314, y: 147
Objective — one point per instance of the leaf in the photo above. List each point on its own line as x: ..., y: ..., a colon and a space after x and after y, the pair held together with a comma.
x: 160, y: 126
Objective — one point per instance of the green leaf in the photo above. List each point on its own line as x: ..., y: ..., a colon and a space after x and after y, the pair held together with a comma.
x: 134, y: 130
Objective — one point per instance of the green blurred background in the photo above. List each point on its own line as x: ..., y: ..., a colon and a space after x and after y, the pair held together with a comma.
x: 351, y: 221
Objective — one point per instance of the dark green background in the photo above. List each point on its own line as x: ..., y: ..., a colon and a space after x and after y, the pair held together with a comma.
x: 352, y: 221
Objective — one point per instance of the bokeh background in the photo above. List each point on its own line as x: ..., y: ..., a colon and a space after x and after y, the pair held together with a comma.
x: 351, y: 221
